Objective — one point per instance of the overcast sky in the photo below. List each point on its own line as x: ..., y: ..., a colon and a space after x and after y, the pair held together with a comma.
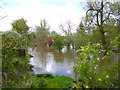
x: 54, y: 11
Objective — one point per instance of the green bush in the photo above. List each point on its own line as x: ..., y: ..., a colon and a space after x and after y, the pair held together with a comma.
x: 14, y: 68
x: 95, y: 71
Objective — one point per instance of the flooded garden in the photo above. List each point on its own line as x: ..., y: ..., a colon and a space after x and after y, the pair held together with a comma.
x: 49, y: 61
x: 83, y: 57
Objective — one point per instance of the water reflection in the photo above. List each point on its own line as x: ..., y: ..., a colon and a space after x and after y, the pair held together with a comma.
x: 53, y: 62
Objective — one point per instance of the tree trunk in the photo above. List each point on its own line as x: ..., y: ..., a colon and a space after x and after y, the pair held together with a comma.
x: 101, y: 29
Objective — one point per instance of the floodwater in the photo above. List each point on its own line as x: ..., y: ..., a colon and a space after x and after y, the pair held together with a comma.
x: 52, y: 61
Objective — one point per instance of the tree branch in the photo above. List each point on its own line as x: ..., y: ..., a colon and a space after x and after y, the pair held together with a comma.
x: 107, y: 17
x: 62, y: 28
x: 3, y: 17
x: 97, y: 19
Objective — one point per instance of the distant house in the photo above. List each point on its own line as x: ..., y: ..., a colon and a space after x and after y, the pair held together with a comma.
x: 48, y: 41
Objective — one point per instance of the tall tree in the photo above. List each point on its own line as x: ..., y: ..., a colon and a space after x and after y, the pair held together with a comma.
x: 42, y: 31
x: 20, y: 26
x: 44, y: 25
x: 81, y: 28
x: 67, y: 30
x: 98, y: 13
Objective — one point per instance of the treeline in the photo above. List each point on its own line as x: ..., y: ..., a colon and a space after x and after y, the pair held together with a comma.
x: 100, y: 25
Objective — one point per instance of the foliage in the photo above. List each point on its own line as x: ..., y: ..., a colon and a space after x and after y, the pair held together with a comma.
x: 14, y: 71
x: 112, y: 31
x: 68, y: 40
x: 14, y: 68
x: 81, y: 28
x: 99, y: 14
x: 59, y: 82
x: 25, y: 36
x: 10, y: 39
x: 80, y: 40
x: 116, y: 43
x: 83, y: 36
x: 95, y: 71
x: 13, y: 40
x: 58, y: 42
x: 30, y: 39
x: 33, y: 81
x: 49, y: 82
x: 20, y: 26
x: 42, y: 31
x: 88, y: 36
x: 36, y: 82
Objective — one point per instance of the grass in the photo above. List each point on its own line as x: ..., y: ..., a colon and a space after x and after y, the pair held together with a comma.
x: 51, y: 82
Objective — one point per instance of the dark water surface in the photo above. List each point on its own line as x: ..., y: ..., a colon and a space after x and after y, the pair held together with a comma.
x: 51, y: 61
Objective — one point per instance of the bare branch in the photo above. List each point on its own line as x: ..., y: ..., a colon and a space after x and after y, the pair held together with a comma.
x: 62, y: 28
x: 107, y: 17
x: 3, y: 17
x: 69, y: 26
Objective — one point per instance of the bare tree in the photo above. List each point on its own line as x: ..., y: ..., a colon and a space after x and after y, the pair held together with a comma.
x: 67, y: 27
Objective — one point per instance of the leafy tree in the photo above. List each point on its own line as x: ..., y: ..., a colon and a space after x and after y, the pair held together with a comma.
x: 41, y: 31
x: 81, y: 28
x: 81, y: 40
x: 111, y: 31
x: 82, y: 36
x: 68, y: 40
x: 98, y: 13
x: 20, y: 26
x: 26, y: 36
x: 58, y: 42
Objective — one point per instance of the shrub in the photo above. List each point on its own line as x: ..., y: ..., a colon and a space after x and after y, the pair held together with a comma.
x: 93, y: 71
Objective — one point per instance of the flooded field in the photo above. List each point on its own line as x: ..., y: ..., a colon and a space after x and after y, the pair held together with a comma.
x: 51, y: 61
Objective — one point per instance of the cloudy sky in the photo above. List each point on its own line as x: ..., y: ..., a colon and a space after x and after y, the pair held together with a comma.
x: 54, y: 11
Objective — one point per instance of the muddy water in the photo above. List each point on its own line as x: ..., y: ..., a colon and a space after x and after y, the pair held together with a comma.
x: 51, y: 61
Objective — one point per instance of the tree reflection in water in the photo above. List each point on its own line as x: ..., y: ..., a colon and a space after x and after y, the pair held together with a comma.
x: 51, y: 61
